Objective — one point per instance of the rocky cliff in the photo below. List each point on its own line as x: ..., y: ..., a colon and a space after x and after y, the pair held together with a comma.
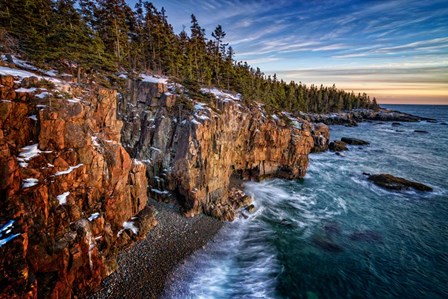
x: 77, y: 165
x: 71, y: 196
x: 193, y: 149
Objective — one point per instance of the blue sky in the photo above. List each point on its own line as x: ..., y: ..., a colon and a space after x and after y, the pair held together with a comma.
x: 394, y: 50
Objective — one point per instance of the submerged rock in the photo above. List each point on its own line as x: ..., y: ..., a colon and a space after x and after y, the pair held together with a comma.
x: 338, y: 146
x: 354, y: 141
x: 396, y: 124
x: 391, y: 182
x: 421, y: 131
x: 326, y: 244
x: 332, y: 228
x: 367, y: 235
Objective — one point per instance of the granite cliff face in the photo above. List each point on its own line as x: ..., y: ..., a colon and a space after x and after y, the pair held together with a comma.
x: 77, y: 166
x: 69, y: 190
x: 192, y: 149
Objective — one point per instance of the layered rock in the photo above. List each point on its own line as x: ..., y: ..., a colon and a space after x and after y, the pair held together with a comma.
x: 69, y: 190
x: 192, y: 149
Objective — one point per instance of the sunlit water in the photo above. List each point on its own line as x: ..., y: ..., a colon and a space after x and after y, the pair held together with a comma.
x: 334, y: 234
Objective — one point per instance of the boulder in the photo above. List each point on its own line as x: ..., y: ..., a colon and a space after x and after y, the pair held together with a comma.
x: 354, y: 141
x: 391, y: 182
x: 338, y: 146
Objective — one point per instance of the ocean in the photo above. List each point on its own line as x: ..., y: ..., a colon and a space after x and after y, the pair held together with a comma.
x: 333, y: 234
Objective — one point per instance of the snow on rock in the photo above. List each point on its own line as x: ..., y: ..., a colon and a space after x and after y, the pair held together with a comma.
x: 29, y: 152
x: 95, y: 141
x: 221, y: 94
x: 5, y: 232
x: 63, y: 198
x: 160, y: 192
x: 24, y: 74
x: 51, y: 73
x: 128, y: 225
x: 42, y: 95
x: 123, y: 76
x: 29, y: 183
x: 153, y: 79
x: 70, y: 169
x: 199, y: 106
x: 15, y: 72
x: 33, y: 117
x: 93, y: 216
x: 74, y: 100
x: 33, y: 89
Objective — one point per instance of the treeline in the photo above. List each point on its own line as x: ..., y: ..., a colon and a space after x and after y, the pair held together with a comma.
x: 94, y: 36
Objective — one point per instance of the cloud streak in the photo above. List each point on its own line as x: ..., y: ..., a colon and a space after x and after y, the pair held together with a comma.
x: 376, y: 41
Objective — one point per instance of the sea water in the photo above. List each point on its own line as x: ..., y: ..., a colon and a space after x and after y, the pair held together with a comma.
x: 334, y: 234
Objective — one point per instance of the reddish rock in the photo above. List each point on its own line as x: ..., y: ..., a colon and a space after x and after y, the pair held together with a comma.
x: 64, y: 250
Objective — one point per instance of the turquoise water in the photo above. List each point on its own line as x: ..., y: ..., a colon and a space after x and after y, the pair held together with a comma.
x: 335, y: 235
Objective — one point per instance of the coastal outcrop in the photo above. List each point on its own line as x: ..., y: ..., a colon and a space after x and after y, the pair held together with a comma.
x: 352, y: 117
x: 71, y: 196
x: 78, y: 164
x: 338, y: 146
x: 354, y: 141
x: 192, y: 148
x: 391, y: 182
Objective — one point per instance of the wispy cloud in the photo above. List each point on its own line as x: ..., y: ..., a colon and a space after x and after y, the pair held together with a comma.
x: 323, y: 40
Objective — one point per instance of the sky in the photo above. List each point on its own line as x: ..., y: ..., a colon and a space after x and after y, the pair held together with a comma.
x: 396, y: 51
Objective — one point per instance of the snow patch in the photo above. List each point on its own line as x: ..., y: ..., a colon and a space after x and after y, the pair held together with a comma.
x: 221, y: 94
x: 33, y: 89
x: 74, y: 100
x: 128, y: 225
x: 29, y: 152
x: 5, y: 230
x: 63, y: 198
x: 153, y: 79
x: 199, y: 106
x: 93, y: 216
x: 33, y: 117
x: 160, y: 192
x: 70, y: 169
x: 30, y: 182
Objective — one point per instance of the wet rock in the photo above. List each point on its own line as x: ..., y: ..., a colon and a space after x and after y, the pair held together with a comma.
x: 321, y: 136
x: 354, y: 141
x: 421, y: 131
x: 443, y: 123
x: 338, y: 146
x: 391, y: 182
x: 251, y: 209
x: 366, y: 235
x: 394, y: 124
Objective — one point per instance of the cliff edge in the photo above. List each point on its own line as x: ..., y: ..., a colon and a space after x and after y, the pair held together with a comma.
x: 77, y: 165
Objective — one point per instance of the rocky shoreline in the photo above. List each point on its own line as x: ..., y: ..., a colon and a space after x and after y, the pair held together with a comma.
x: 79, y: 164
x: 351, y: 118
x: 143, y: 270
